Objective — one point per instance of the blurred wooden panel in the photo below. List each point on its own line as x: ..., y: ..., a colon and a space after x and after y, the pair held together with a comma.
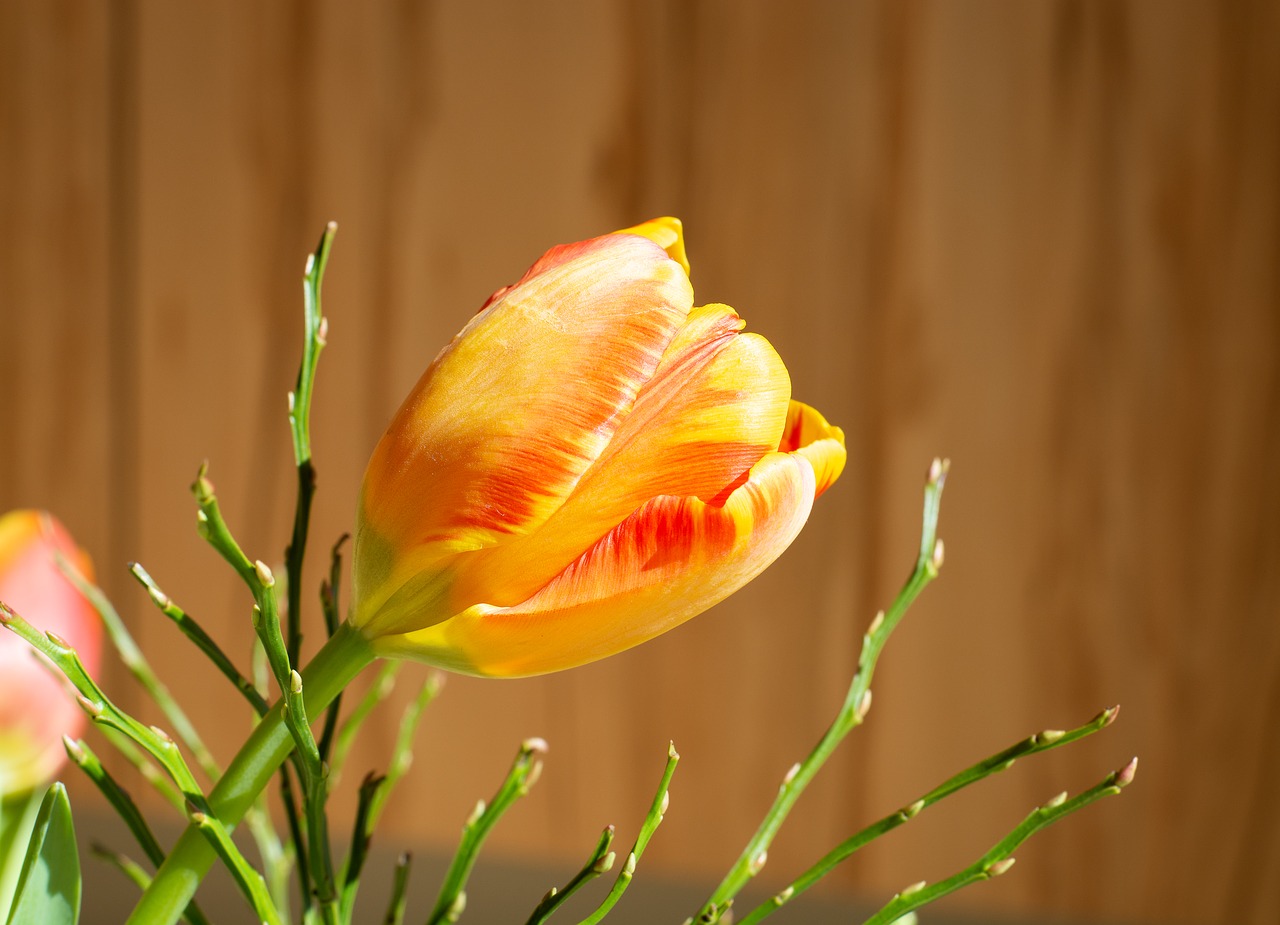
x: 1040, y: 238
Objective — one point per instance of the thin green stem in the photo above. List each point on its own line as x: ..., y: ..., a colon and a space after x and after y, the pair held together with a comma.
x: 153, y: 740
x: 361, y: 837
x: 653, y: 819
x: 315, y: 329
x: 1000, y: 761
x: 852, y: 712
x: 600, y: 862
x: 379, y: 690
x: 399, y: 886
x: 335, y: 665
x: 525, y: 770
x: 1000, y: 858
x: 194, y: 632
x: 402, y: 754
x: 123, y: 863
x: 141, y: 669
x: 246, y: 877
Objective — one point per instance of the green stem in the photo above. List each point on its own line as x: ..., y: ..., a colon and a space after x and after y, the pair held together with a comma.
x: 852, y: 712
x: 335, y: 665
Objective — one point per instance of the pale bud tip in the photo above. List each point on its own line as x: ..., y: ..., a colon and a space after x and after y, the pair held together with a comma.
x: 914, y: 809
x: 1049, y: 736
x: 876, y: 622
x: 666, y: 803
x: 264, y: 574
x: 74, y: 751
x: 864, y: 704
x: 162, y: 735
x: 6, y: 615
x: 791, y: 774
x: 57, y: 640
x: 534, y: 746
x: 935, y: 469
x: 757, y: 863
x: 1001, y: 866
x: 295, y: 682
x: 1124, y: 777
x: 914, y: 888
x: 331, y: 227
x: 199, y: 818
x: 939, y: 553
x: 322, y: 332
x: 630, y: 867
x: 605, y: 864
x: 671, y: 751
x: 1107, y: 717
x: 476, y: 812
x: 459, y: 905
x: 159, y: 597
x: 550, y: 895
x: 92, y: 707
x: 782, y: 898
x: 1057, y: 801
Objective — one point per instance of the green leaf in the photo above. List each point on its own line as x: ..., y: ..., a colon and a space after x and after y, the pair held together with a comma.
x: 48, y: 891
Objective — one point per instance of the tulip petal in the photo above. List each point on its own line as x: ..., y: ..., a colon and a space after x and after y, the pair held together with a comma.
x: 667, y: 233
x: 808, y: 433
x: 716, y: 404
x: 505, y: 421
x: 669, y: 561
x: 35, y: 709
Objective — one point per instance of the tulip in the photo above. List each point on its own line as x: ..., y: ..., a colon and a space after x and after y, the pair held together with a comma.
x: 35, y: 709
x: 591, y: 462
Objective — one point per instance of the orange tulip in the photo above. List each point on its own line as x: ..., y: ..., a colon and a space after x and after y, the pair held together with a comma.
x: 35, y: 709
x: 591, y: 462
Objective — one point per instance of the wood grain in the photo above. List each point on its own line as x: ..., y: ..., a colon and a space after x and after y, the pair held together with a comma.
x: 1041, y: 238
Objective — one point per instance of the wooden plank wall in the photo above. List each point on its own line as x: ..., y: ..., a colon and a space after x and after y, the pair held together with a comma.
x: 1039, y: 237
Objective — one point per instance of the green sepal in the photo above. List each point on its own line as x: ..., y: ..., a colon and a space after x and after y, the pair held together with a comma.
x: 48, y: 891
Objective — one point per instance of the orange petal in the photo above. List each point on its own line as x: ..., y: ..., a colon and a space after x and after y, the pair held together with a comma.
x: 808, y: 433
x: 668, y: 562
x: 521, y: 403
x: 716, y: 404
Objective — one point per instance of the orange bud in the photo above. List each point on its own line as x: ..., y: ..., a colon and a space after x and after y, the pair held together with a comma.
x: 592, y: 461
x: 36, y: 709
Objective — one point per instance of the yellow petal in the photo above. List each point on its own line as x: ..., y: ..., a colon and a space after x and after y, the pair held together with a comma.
x: 808, y: 433
x: 667, y: 233
x: 668, y: 562
x: 716, y: 405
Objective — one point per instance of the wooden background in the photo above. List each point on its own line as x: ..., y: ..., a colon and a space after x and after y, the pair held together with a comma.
x: 1042, y: 238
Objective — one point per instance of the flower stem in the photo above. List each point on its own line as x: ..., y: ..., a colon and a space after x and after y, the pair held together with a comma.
x: 335, y: 665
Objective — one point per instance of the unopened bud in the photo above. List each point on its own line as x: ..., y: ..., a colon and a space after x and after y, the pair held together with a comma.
x: 782, y: 898
x: 74, y: 751
x: 1124, y: 777
x: 163, y: 736
x: 92, y: 707
x: 476, y: 813
x: 534, y: 746
x: 910, y: 812
x: 938, y: 470
x: 550, y: 895
x: 791, y: 774
x: 864, y: 704
x: 457, y: 907
x: 876, y: 622
x: 939, y: 553
x: 914, y: 888
x: 666, y: 803
x: 629, y: 868
x: 605, y: 864
x: 322, y: 332
x: 1049, y: 736
x: 1056, y: 801
x: 534, y: 775
x: 671, y: 751
x: 1001, y: 866
x: 757, y: 863
x: 295, y: 682
x: 1107, y: 717
x: 198, y: 817
x: 264, y: 574
x: 161, y: 599
x: 57, y: 640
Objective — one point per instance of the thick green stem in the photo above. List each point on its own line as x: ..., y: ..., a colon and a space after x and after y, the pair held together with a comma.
x: 334, y: 666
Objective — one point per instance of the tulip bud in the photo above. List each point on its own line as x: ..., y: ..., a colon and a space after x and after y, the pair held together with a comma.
x: 36, y: 710
x: 591, y: 462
